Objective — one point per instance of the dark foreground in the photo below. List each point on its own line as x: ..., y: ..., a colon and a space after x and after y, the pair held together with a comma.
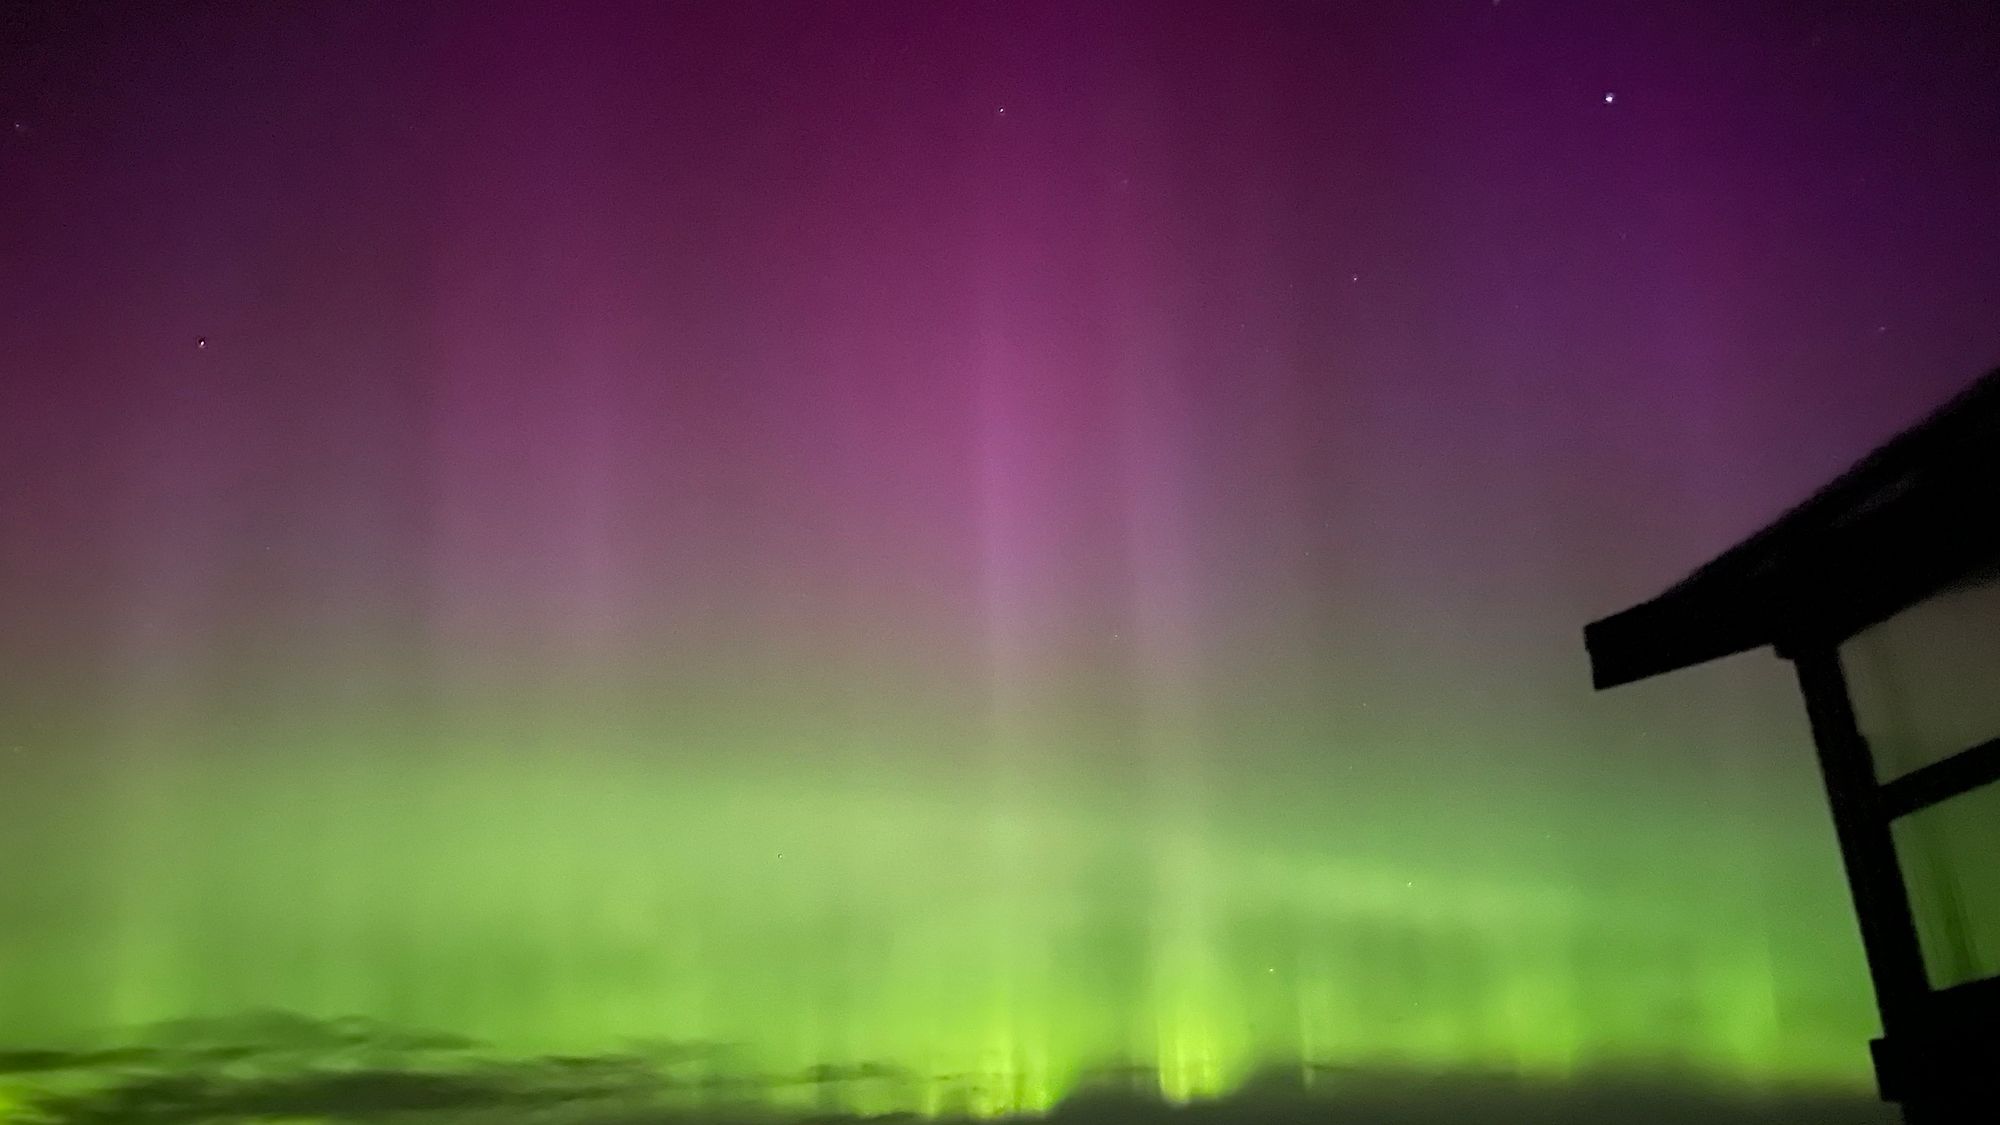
x: 280, y: 1069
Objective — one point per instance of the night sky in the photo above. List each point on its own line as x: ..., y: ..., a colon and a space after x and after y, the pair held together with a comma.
x: 974, y: 544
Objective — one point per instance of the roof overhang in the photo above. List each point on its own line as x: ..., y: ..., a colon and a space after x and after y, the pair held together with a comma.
x: 1915, y: 516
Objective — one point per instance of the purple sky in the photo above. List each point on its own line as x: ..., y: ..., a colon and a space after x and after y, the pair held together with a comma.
x: 1390, y: 297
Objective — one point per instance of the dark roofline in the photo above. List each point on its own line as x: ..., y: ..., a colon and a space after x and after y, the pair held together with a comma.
x: 1918, y: 514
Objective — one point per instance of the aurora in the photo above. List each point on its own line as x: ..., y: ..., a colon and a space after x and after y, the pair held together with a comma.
x: 923, y: 558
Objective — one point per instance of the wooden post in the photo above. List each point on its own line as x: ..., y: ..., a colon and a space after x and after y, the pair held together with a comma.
x: 1874, y: 877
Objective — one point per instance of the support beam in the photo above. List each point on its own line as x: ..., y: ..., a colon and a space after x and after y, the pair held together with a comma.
x: 1941, y: 781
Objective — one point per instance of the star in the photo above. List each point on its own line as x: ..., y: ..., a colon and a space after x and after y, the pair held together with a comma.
x: 201, y: 343
x: 1609, y: 97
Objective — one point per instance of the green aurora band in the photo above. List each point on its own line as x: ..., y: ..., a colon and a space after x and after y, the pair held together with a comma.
x: 555, y: 892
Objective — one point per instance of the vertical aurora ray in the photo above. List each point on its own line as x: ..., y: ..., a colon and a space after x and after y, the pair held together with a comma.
x: 886, y: 559
x: 1194, y: 1046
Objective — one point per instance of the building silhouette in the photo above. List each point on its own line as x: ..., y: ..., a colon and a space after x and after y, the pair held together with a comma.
x: 1883, y: 591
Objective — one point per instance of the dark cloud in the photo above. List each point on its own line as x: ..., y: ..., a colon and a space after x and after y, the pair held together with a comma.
x: 858, y: 1072
x: 29, y: 1062
x: 210, y: 1073
x: 260, y: 1065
